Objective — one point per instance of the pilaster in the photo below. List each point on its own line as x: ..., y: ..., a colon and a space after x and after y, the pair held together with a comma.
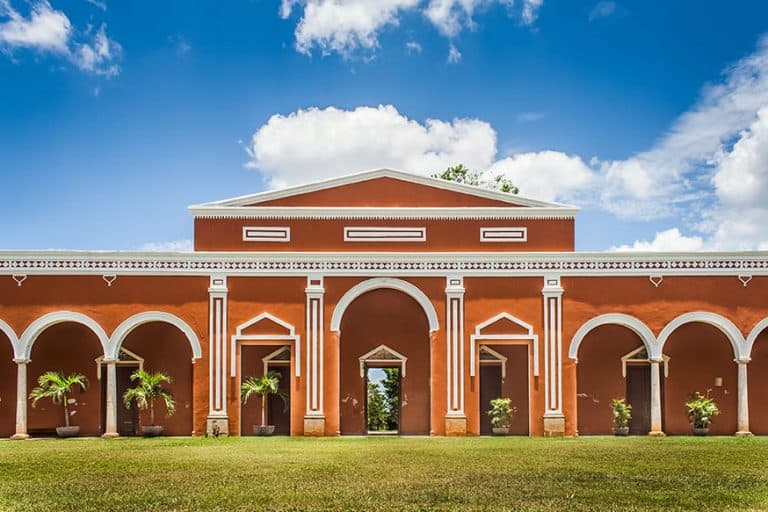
x: 218, y: 421
x: 314, y: 417
x: 552, y: 294
x: 455, y: 418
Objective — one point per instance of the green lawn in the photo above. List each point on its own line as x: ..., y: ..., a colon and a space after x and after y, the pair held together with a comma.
x: 385, y: 474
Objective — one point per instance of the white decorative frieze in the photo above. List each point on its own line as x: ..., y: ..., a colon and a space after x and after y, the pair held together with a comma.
x: 384, y: 234
x: 266, y: 234
x: 507, y: 234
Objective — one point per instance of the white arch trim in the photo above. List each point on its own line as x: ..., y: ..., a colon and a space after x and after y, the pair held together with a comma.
x: 384, y: 282
x: 34, y: 330
x: 6, y: 329
x: 725, y: 326
x: 630, y: 322
x: 754, y: 333
x: 128, y: 325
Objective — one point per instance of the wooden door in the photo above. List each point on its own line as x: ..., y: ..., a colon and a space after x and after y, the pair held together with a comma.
x: 127, y: 419
x: 279, y: 412
x: 490, y: 388
x: 639, y: 396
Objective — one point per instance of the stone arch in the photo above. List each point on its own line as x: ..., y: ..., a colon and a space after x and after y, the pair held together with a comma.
x: 728, y: 328
x: 34, y: 330
x: 11, y: 334
x: 630, y: 322
x: 753, y: 334
x: 384, y: 282
x: 128, y: 325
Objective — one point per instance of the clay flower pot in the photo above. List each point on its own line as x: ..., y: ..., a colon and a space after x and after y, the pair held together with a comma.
x: 700, y: 431
x: 500, y: 431
x: 621, y: 431
x: 72, y: 431
x: 263, y: 430
x: 151, y: 431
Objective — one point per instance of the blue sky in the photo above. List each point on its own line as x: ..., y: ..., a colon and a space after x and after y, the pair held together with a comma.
x: 114, y: 116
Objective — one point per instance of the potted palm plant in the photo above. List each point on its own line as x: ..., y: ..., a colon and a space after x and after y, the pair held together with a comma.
x: 264, y: 386
x: 149, y: 387
x: 58, y: 387
x: 501, y: 412
x: 701, y: 410
x: 622, y: 414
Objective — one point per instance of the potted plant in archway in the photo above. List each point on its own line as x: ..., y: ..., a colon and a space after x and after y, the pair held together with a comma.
x: 58, y: 387
x: 501, y: 413
x: 264, y: 386
x: 701, y: 410
x: 149, y: 387
x: 622, y: 414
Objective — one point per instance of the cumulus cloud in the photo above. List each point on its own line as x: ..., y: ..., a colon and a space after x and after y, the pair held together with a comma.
x: 671, y: 240
x: 345, y: 26
x: 46, y: 30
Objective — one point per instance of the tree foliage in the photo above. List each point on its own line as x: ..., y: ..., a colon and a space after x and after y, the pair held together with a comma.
x: 377, y: 417
x: 391, y: 384
x: 264, y: 386
x: 57, y: 387
x: 148, y: 388
x: 462, y: 174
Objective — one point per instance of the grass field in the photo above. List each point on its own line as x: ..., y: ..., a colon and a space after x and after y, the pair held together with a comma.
x: 385, y: 474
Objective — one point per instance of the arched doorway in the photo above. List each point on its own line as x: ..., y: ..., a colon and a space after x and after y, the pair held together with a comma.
x: 7, y: 387
x: 70, y: 347
x: 701, y: 360
x: 757, y: 376
x: 396, y: 320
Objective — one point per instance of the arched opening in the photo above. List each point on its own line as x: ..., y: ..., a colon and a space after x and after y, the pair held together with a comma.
x: 7, y: 387
x: 68, y: 347
x: 389, y: 317
x: 757, y: 376
x: 160, y: 347
x: 701, y: 360
x: 602, y: 376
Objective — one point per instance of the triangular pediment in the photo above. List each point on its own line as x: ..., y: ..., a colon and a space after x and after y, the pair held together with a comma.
x: 504, y: 324
x: 382, y: 188
x: 265, y: 324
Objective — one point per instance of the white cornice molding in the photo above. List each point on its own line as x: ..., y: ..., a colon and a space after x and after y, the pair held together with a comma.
x: 381, y: 263
x: 382, y: 213
x: 359, y: 177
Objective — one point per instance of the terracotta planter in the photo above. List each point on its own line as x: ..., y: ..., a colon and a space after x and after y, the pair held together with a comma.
x: 263, y: 430
x: 151, y: 431
x: 621, y: 431
x: 700, y: 431
x: 500, y: 431
x: 73, y: 431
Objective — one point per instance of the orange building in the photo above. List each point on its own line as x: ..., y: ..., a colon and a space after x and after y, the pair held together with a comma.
x: 472, y: 294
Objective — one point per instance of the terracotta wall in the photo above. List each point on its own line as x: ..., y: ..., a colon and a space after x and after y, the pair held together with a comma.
x: 165, y: 349
x: 485, y: 297
x: 328, y: 235
x: 392, y: 318
x: 7, y: 388
x: 599, y: 376
x: 757, y: 376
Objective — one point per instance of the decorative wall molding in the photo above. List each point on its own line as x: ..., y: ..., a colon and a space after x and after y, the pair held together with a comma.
x: 19, y: 278
x: 479, y: 337
x: 16, y: 263
x: 383, y: 213
x: 384, y: 234
x: 289, y: 337
x: 454, y: 339
x: 506, y: 234
x: 217, y: 351
x: 266, y: 234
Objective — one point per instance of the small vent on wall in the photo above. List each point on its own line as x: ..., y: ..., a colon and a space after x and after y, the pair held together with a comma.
x: 383, y: 234
x: 266, y: 234
x: 503, y: 234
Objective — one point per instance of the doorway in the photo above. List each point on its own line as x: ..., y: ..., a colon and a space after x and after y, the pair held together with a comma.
x: 639, y: 396
x: 127, y: 418
x: 490, y: 389
x: 383, y: 400
x: 278, y: 411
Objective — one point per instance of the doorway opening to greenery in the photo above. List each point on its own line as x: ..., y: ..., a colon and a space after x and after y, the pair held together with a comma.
x: 382, y: 400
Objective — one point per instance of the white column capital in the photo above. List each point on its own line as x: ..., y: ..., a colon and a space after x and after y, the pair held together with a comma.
x: 454, y: 285
x: 552, y: 285
x: 218, y: 284
x: 742, y: 360
x: 21, y: 360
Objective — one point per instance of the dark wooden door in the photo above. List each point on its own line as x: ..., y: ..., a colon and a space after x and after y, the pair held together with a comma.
x: 490, y: 388
x: 127, y: 419
x: 639, y: 396
x: 279, y: 412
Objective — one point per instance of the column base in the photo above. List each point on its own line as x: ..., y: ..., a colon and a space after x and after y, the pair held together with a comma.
x: 554, y: 426
x: 744, y: 433
x: 217, y: 426
x: 314, y: 426
x: 110, y: 435
x: 19, y: 437
x: 656, y: 433
x: 455, y: 425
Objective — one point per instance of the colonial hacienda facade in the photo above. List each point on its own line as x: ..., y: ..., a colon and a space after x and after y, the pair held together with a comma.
x: 472, y: 294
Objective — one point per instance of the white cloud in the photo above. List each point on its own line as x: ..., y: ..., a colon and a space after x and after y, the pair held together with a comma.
x: 97, y: 3
x: 345, y: 26
x: 173, y: 246
x: 602, y: 9
x: 45, y: 29
x: 413, y: 47
x: 670, y: 240
x: 528, y: 117
x: 49, y: 30
x: 322, y: 143
x: 454, y: 55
